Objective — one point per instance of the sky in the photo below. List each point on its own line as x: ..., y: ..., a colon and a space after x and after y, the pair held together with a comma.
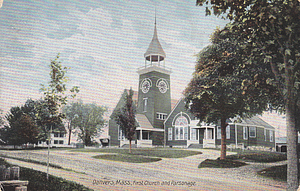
x: 103, y: 42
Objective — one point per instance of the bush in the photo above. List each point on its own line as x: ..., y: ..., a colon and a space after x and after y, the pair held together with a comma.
x: 226, y: 163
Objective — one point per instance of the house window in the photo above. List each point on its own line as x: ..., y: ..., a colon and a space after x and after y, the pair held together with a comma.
x: 265, y: 134
x: 145, y: 104
x: 245, y: 133
x: 181, y: 128
x: 170, y: 134
x: 55, y: 134
x: 55, y: 142
x: 61, y: 142
x: 252, y: 132
x: 61, y: 135
x: 228, y: 132
x: 208, y: 133
x: 218, y: 132
x: 161, y: 116
x: 193, y: 134
x: 271, y: 136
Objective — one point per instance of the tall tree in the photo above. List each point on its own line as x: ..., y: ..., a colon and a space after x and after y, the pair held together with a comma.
x: 216, y: 91
x: 54, y: 98
x: 87, y: 117
x: 272, y: 28
x: 71, y: 112
x: 125, y: 117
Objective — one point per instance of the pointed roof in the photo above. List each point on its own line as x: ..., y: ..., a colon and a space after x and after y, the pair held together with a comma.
x: 155, y: 49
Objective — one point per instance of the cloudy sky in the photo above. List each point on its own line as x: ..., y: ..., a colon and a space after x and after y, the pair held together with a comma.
x: 103, y: 42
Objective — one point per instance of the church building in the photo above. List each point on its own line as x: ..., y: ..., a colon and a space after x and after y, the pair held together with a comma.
x: 160, y: 122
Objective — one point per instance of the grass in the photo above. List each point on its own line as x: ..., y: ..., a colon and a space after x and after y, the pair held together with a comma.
x: 41, y: 163
x: 37, y: 180
x: 227, y: 163
x: 149, y: 152
x: 275, y: 172
x: 258, y: 156
x: 127, y: 158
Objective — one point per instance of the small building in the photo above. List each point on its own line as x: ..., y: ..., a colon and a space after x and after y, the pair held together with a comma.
x: 281, y: 145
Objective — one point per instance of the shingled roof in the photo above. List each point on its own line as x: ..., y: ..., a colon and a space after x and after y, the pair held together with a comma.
x: 155, y: 49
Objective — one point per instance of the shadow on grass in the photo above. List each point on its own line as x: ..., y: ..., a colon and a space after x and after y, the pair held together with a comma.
x: 127, y: 158
x: 150, y: 152
x: 276, y: 172
x: 227, y: 163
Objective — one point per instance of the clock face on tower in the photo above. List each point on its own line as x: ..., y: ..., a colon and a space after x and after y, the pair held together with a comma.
x: 146, y: 85
x: 162, y: 85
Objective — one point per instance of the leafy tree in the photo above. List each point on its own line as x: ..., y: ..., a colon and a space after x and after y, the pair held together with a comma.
x: 125, y: 117
x: 216, y: 93
x: 2, y: 120
x: 22, y: 128
x: 272, y: 30
x: 54, y: 96
x: 71, y: 112
x: 87, y: 117
x: 49, y: 113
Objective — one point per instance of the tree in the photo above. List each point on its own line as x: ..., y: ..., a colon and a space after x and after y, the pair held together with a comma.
x: 54, y: 97
x: 22, y: 128
x: 125, y: 117
x: 71, y: 112
x: 87, y: 117
x: 272, y: 29
x: 215, y: 93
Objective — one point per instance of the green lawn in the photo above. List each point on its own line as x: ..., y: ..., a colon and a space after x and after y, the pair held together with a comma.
x: 275, y: 172
x: 227, y: 163
x: 127, y: 158
x: 37, y: 180
x: 258, y: 156
x: 149, y: 152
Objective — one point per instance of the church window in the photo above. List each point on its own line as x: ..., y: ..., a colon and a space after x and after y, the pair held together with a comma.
x: 181, y: 128
x: 228, y: 132
x: 194, y: 134
x: 218, y: 132
x: 170, y: 134
x: 161, y: 116
x: 121, y: 135
x: 145, y: 104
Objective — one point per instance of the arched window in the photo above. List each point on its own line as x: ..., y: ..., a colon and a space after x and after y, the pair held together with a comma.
x: 181, y: 128
x: 181, y: 121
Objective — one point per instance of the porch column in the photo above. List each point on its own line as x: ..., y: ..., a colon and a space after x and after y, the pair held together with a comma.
x: 206, y: 133
x: 148, y: 135
x: 141, y: 134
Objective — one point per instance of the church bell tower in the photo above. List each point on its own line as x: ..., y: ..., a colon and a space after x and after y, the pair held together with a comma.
x: 154, y: 93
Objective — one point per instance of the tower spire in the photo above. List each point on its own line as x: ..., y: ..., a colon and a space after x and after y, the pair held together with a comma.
x: 155, y: 16
x: 155, y: 52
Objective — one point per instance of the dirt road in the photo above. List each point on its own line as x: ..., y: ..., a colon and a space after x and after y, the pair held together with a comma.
x: 167, y: 174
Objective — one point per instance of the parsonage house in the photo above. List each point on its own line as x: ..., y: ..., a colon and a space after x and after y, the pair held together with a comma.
x: 163, y: 122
